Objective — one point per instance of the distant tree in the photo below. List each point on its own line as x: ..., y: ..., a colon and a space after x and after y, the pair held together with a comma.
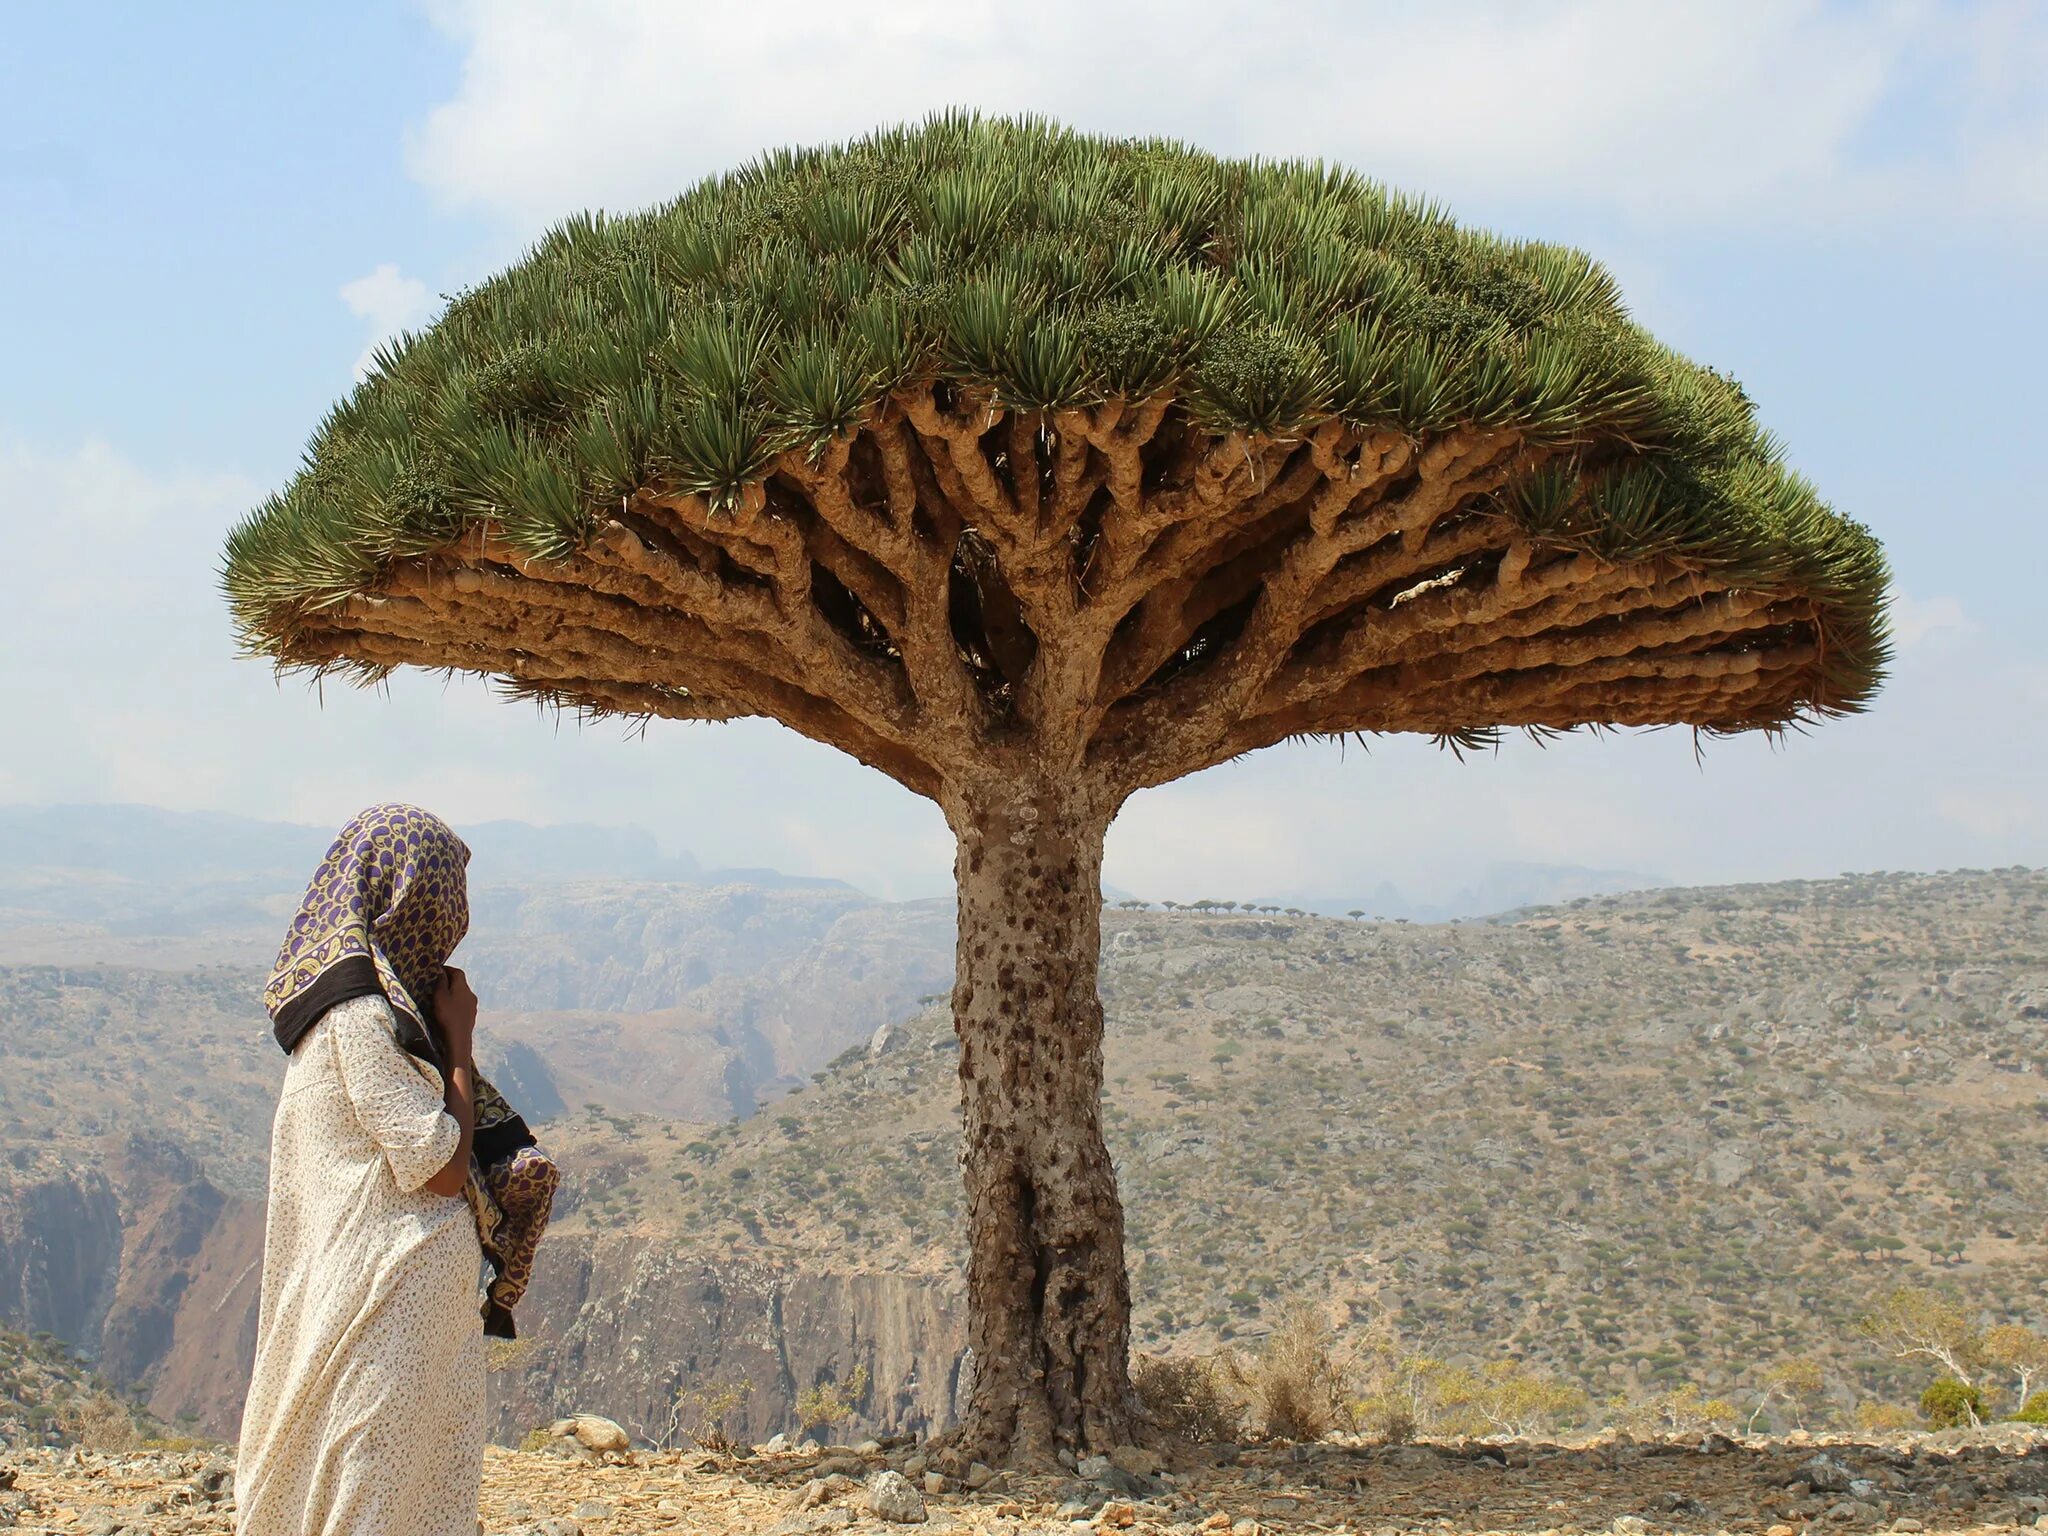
x: 2020, y: 1350
x: 1952, y: 1404
x: 1171, y: 906
x: 1355, y: 913
x: 1797, y: 1383
x: 1912, y: 1321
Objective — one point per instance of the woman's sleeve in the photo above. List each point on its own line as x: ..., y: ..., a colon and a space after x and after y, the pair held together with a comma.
x: 396, y: 1104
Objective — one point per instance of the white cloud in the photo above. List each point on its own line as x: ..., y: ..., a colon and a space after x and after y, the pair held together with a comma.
x: 391, y: 302
x: 1916, y: 620
x: 1670, y: 112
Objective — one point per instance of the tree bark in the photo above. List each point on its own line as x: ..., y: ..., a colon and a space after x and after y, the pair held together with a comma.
x: 1049, y: 1301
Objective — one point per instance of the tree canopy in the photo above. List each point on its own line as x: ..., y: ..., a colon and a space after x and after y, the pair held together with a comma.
x: 1142, y: 321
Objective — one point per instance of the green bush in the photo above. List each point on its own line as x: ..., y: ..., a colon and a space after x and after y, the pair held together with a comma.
x: 2035, y: 1410
x: 1950, y: 1404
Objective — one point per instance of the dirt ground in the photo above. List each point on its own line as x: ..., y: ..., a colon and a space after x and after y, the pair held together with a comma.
x: 1993, y: 1480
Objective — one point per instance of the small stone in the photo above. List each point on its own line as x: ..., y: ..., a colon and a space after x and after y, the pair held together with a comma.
x: 1779, y: 1530
x: 980, y: 1475
x: 1245, y: 1527
x: 1135, y: 1459
x: 1077, y: 1509
x: 668, y: 1507
x: 558, y: 1528
x: 593, y: 1509
x: 1217, y: 1522
x: 1865, y: 1489
x: 519, y: 1509
x: 1117, y: 1517
x: 1629, y: 1525
x: 868, y: 1448
x: 890, y: 1497
x: 934, y: 1484
x: 1906, y: 1523
x: 914, y: 1466
x: 1092, y: 1467
x: 842, y: 1464
x: 776, y: 1445
x: 1010, y: 1509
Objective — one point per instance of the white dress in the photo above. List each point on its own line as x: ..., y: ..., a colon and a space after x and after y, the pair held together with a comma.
x: 365, y: 1414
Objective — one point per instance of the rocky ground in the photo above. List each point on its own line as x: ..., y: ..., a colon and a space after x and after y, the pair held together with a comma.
x: 1992, y: 1480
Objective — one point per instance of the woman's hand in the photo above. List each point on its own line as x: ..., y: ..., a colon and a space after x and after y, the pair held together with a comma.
x: 455, y: 1016
x: 455, y: 1013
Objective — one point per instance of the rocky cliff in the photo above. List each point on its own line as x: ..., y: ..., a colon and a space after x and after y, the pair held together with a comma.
x: 639, y: 1323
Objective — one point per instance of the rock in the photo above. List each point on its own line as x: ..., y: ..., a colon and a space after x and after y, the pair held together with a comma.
x: 914, y: 1465
x: 1825, y: 1475
x: 934, y: 1484
x: 1629, y: 1525
x: 558, y: 1528
x: 1224, y: 1453
x: 593, y: 1509
x: 890, y: 1497
x: 980, y: 1475
x: 1010, y: 1510
x: 840, y: 1463
x: 1245, y: 1528
x: 1092, y: 1467
x: 1865, y: 1489
x: 777, y: 1444
x: 1077, y: 1509
x: 668, y: 1507
x: 593, y: 1432
x: 1117, y: 1517
x: 868, y: 1448
x: 1906, y: 1523
x: 1779, y: 1530
x: 519, y: 1509
x: 1135, y: 1459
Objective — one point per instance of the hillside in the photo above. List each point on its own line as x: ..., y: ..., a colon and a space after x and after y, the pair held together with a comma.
x: 1639, y: 1139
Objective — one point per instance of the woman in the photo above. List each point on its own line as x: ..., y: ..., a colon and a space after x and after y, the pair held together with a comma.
x: 365, y: 1414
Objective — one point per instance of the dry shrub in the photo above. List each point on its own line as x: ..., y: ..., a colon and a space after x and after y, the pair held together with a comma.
x: 1189, y: 1395
x: 99, y: 1423
x: 1884, y: 1418
x: 1299, y: 1381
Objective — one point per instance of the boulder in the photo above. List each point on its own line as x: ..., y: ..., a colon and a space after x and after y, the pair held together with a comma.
x: 593, y: 1432
x: 890, y: 1497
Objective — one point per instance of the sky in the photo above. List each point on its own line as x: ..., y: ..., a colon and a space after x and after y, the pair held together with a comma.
x: 210, y: 214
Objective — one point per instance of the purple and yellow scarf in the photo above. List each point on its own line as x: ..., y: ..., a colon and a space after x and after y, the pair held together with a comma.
x: 382, y: 915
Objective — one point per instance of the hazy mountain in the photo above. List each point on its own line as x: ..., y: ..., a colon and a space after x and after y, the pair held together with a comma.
x: 1639, y: 1139
x: 1500, y: 888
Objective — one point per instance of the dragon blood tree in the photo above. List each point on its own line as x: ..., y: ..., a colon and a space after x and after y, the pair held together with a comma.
x: 1033, y: 469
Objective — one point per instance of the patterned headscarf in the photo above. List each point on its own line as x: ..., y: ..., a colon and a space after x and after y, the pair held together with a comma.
x: 382, y: 915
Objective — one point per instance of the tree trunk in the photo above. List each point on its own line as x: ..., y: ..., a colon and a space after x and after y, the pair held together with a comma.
x: 1049, y: 1302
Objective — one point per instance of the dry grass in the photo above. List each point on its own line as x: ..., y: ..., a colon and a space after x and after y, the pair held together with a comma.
x: 1299, y: 1382
x: 1192, y: 1396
